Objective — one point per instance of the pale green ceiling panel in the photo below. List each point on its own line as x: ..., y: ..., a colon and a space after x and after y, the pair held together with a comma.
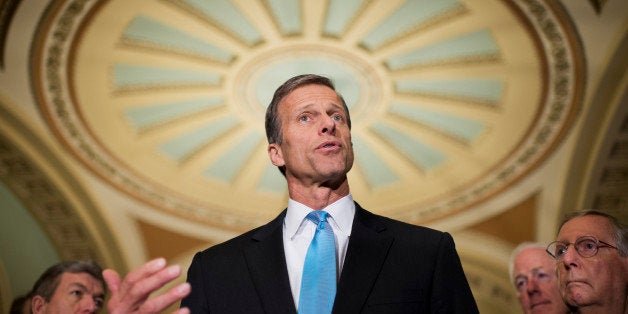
x: 230, y: 163
x: 375, y: 170
x: 487, y: 91
x: 339, y: 14
x: 25, y: 249
x: 228, y: 16
x: 459, y: 127
x: 133, y: 76
x: 479, y: 44
x: 156, y: 114
x: 272, y: 181
x: 155, y: 33
x: 188, y: 143
x: 288, y: 15
x: 422, y: 155
x: 409, y: 15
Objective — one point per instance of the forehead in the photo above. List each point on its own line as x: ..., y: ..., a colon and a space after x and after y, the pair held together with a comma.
x: 308, y: 94
x: 531, y: 258
x: 85, y: 279
x: 596, y: 226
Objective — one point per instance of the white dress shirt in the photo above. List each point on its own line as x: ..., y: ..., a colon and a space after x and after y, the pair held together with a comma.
x: 298, y: 232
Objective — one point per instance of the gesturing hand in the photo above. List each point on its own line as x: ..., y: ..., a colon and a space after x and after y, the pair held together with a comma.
x: 131, y: 294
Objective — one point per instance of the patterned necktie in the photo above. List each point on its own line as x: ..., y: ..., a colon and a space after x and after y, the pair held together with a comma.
x: 318, y: 284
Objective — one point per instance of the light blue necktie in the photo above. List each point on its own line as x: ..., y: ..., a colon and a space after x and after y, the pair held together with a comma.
x: 318, y: 284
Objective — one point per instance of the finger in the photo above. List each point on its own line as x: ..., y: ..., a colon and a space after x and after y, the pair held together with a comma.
x: 163, y: 301
x: 112, y: 279
x: 129, y: 293
x: 146, y: 270
x: 140, y: 291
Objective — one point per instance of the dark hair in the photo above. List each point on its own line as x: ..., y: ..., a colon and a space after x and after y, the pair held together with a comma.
x: 20, y: 303
x: 273, y: 122
x: 49, y: 280
x: 619, y: 230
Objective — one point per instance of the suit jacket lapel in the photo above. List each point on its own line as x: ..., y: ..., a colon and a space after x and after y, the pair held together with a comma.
x: 267, y: 265
x: 366, y: 253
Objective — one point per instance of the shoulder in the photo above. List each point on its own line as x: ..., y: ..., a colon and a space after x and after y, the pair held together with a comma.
x: 379, y: 223
x: 235, y: 245
x: 401, y: 230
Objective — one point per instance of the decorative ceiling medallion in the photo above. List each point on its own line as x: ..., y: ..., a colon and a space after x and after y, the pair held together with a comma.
x: 261, y: 73
x: 165, y: 99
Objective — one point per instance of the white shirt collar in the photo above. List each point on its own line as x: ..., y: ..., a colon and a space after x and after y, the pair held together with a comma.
x: 341, y: 212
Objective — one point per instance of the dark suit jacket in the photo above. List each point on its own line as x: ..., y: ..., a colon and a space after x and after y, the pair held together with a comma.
x: 390, y: 267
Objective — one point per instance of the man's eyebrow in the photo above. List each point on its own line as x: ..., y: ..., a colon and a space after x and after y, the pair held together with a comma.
x: 338, y: 105
x: 537, y: 269
x: 79, y: 285
x: 304, y: 107
x: 533, y: 270
x: 307, y: 106
x: 84, y: 288
x: 520, y: 276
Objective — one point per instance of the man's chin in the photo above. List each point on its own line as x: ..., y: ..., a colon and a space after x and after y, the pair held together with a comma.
x: 577, y: 301
x: 542, y: 307
x: 577, y: 293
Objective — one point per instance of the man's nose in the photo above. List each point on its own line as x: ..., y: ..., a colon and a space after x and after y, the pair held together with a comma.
x: 328, y: 125
x: 88, y: 305
x: 532, y: 286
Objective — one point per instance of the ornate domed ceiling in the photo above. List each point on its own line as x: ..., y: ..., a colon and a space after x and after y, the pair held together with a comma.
x: 134, y: 129
x: 165, y: 99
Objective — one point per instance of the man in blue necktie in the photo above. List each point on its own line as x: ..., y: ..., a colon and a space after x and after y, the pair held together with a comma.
x: 325, y: 253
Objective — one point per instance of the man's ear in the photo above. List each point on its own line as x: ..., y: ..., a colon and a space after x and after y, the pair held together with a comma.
x: 38, y: 304
x: 276, y: 155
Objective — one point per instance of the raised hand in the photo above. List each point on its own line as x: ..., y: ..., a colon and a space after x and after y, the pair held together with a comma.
x: 131, y: 294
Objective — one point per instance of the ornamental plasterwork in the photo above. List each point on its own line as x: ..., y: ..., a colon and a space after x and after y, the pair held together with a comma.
x: 67, y: 229
x: 164, y: 99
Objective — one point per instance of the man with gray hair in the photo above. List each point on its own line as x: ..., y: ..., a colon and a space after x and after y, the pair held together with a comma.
x: 532, y: 271
x: 591, y: 253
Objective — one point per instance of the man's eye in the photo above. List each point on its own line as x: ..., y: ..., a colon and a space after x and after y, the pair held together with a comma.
x: 587, y: 245
x: 337, y: 117
x: 76, y: 293
x: 99, y: 302
x: 561, y: 250
x: 304, y: 118
x: 519, y: 284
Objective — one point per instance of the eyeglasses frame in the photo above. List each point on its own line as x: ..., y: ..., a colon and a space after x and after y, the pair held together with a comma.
x: 580, y: 239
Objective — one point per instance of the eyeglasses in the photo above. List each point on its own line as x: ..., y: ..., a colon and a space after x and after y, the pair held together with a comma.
x: 586, y: 246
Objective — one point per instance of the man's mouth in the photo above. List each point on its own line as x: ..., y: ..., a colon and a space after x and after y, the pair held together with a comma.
x: 329, y: 144
x: 544, y: 302
x: 575, y: 282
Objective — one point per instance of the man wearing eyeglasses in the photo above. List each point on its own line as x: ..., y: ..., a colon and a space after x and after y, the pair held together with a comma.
x: 533, y: 274
x: 591, y: 254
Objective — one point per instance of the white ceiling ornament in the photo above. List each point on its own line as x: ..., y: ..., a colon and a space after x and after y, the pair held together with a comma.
x: 165, y: 99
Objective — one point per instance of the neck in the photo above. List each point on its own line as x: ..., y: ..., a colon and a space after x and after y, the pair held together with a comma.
x: 318, y: 196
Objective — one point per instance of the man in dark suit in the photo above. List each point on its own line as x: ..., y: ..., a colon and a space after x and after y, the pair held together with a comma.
x: 381, y: 265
